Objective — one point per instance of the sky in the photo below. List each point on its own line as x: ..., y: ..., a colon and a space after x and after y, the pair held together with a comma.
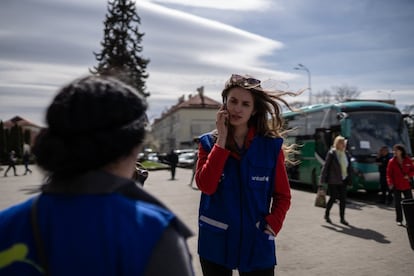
x: 367, y: 44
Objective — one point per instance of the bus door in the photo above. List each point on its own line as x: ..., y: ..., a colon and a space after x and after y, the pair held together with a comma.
x: 323, y: 142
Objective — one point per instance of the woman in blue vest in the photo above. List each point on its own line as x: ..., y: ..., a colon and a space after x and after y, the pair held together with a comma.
x: 90, y: 217
x: 241, y: 173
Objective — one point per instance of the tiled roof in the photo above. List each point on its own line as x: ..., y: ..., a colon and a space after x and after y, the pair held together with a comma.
x: 20, y: 122
x: 198, y: 101
x: 194, y: 101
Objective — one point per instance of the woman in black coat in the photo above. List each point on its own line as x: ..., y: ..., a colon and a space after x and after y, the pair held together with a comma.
x: 336, y: 172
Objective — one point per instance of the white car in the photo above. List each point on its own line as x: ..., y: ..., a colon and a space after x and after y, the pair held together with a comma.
x: 186, y: 159
x: 153, y: 157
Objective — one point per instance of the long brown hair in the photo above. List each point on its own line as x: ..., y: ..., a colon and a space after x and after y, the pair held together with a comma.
x: 267, y: 118
x: 401, y: 148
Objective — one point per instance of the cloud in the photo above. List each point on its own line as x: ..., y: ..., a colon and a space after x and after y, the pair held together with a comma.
x: 195, y: 51
x: 44, y: 44
x: 54, y: 43
x: 238, y: 5
x: 206, y: 42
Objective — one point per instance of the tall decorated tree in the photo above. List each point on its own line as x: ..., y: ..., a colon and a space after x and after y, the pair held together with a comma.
x: 3, y: 144
x: 121, y: 46
x: 15, y: 139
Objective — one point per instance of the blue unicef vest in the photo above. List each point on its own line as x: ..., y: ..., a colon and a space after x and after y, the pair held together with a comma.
x: 232, y: 220
x: 83, y: 235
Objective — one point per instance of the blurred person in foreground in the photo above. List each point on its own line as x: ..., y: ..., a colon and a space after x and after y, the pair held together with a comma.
x: 399, y: 171
x: 91, y: 218
x: 241, y: 173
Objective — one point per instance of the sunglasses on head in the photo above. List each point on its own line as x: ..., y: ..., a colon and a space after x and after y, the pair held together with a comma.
x: 242, y: 81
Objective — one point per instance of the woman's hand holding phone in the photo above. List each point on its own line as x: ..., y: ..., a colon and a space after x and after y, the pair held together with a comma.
x: 221, y: 125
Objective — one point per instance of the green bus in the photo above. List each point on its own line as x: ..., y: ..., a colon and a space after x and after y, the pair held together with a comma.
x: 367, y: 126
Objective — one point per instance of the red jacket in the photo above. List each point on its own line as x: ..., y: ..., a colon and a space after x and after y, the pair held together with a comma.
x: 397, y: 175
x: 210, y: 167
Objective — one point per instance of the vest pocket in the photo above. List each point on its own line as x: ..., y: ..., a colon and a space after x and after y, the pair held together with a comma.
x: 212, y: 239
x: 263, y: 253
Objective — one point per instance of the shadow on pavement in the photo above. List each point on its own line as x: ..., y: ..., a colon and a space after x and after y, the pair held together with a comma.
x: 355, y: 200
x: 367, y: 234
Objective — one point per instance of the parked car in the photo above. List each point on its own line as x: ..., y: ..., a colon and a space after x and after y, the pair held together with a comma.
x: 186, y: 159
x: 153, y: 157
x: 181, y: 151
x: 141, y: 157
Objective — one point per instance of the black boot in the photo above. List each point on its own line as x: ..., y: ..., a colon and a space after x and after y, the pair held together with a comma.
x: 328, y: 220
x: 344, y: 222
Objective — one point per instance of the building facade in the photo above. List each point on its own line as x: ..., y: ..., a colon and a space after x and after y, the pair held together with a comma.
x: 178, y: 126
x: 17, y: 134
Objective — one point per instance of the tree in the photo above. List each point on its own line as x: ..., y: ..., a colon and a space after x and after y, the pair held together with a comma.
x: 344, y: 92
x: 297, y: 104
x: 408, y: 109
x: 323, y: 97
x: 15, y: 139
x: 121, y: 46
x: 3, y: 144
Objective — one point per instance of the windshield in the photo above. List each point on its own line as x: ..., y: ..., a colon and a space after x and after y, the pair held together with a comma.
x: 372, y: 130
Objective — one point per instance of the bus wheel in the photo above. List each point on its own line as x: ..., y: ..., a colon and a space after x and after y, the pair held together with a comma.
x: 314, y: 182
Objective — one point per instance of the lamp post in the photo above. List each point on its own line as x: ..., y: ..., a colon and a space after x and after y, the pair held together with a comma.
x: 389, y: 93
x: 304, y: 68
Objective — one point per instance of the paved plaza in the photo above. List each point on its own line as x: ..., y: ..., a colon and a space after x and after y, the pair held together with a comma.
x: 372, y: 245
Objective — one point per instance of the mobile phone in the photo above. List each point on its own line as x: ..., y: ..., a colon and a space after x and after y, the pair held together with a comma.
x: 224, y: 103
x: 225, y: 108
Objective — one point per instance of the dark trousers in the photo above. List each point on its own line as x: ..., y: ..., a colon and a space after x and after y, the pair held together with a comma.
x: 336, y: 192
x: 173, y: 167
x: 397, y: 199
x: 213, y: 269
x: 386, y: 194
x: 26, y: 168
x: 11, y: 166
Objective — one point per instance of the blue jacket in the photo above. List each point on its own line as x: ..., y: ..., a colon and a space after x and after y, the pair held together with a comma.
x: 232, y: 220
x: 84, y: 233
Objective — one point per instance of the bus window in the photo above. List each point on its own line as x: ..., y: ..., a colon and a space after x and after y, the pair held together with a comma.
x: 373, y: 130
x: 322, y: 142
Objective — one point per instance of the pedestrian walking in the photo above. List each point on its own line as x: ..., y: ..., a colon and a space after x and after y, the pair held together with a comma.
x: 241, y: 173
x: 12, y: 159
x: 337, y: 173
x: 91, y: 218
x: 26, y: 159
x: 382, y: 160
x: 400, y: 169
x: 173, y: 161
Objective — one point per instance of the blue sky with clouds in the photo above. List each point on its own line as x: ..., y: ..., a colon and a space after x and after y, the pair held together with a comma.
x: 368, y: 44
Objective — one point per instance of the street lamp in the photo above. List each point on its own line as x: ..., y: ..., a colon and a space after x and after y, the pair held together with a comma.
x: 389, y: 93
x: 304, y: 68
